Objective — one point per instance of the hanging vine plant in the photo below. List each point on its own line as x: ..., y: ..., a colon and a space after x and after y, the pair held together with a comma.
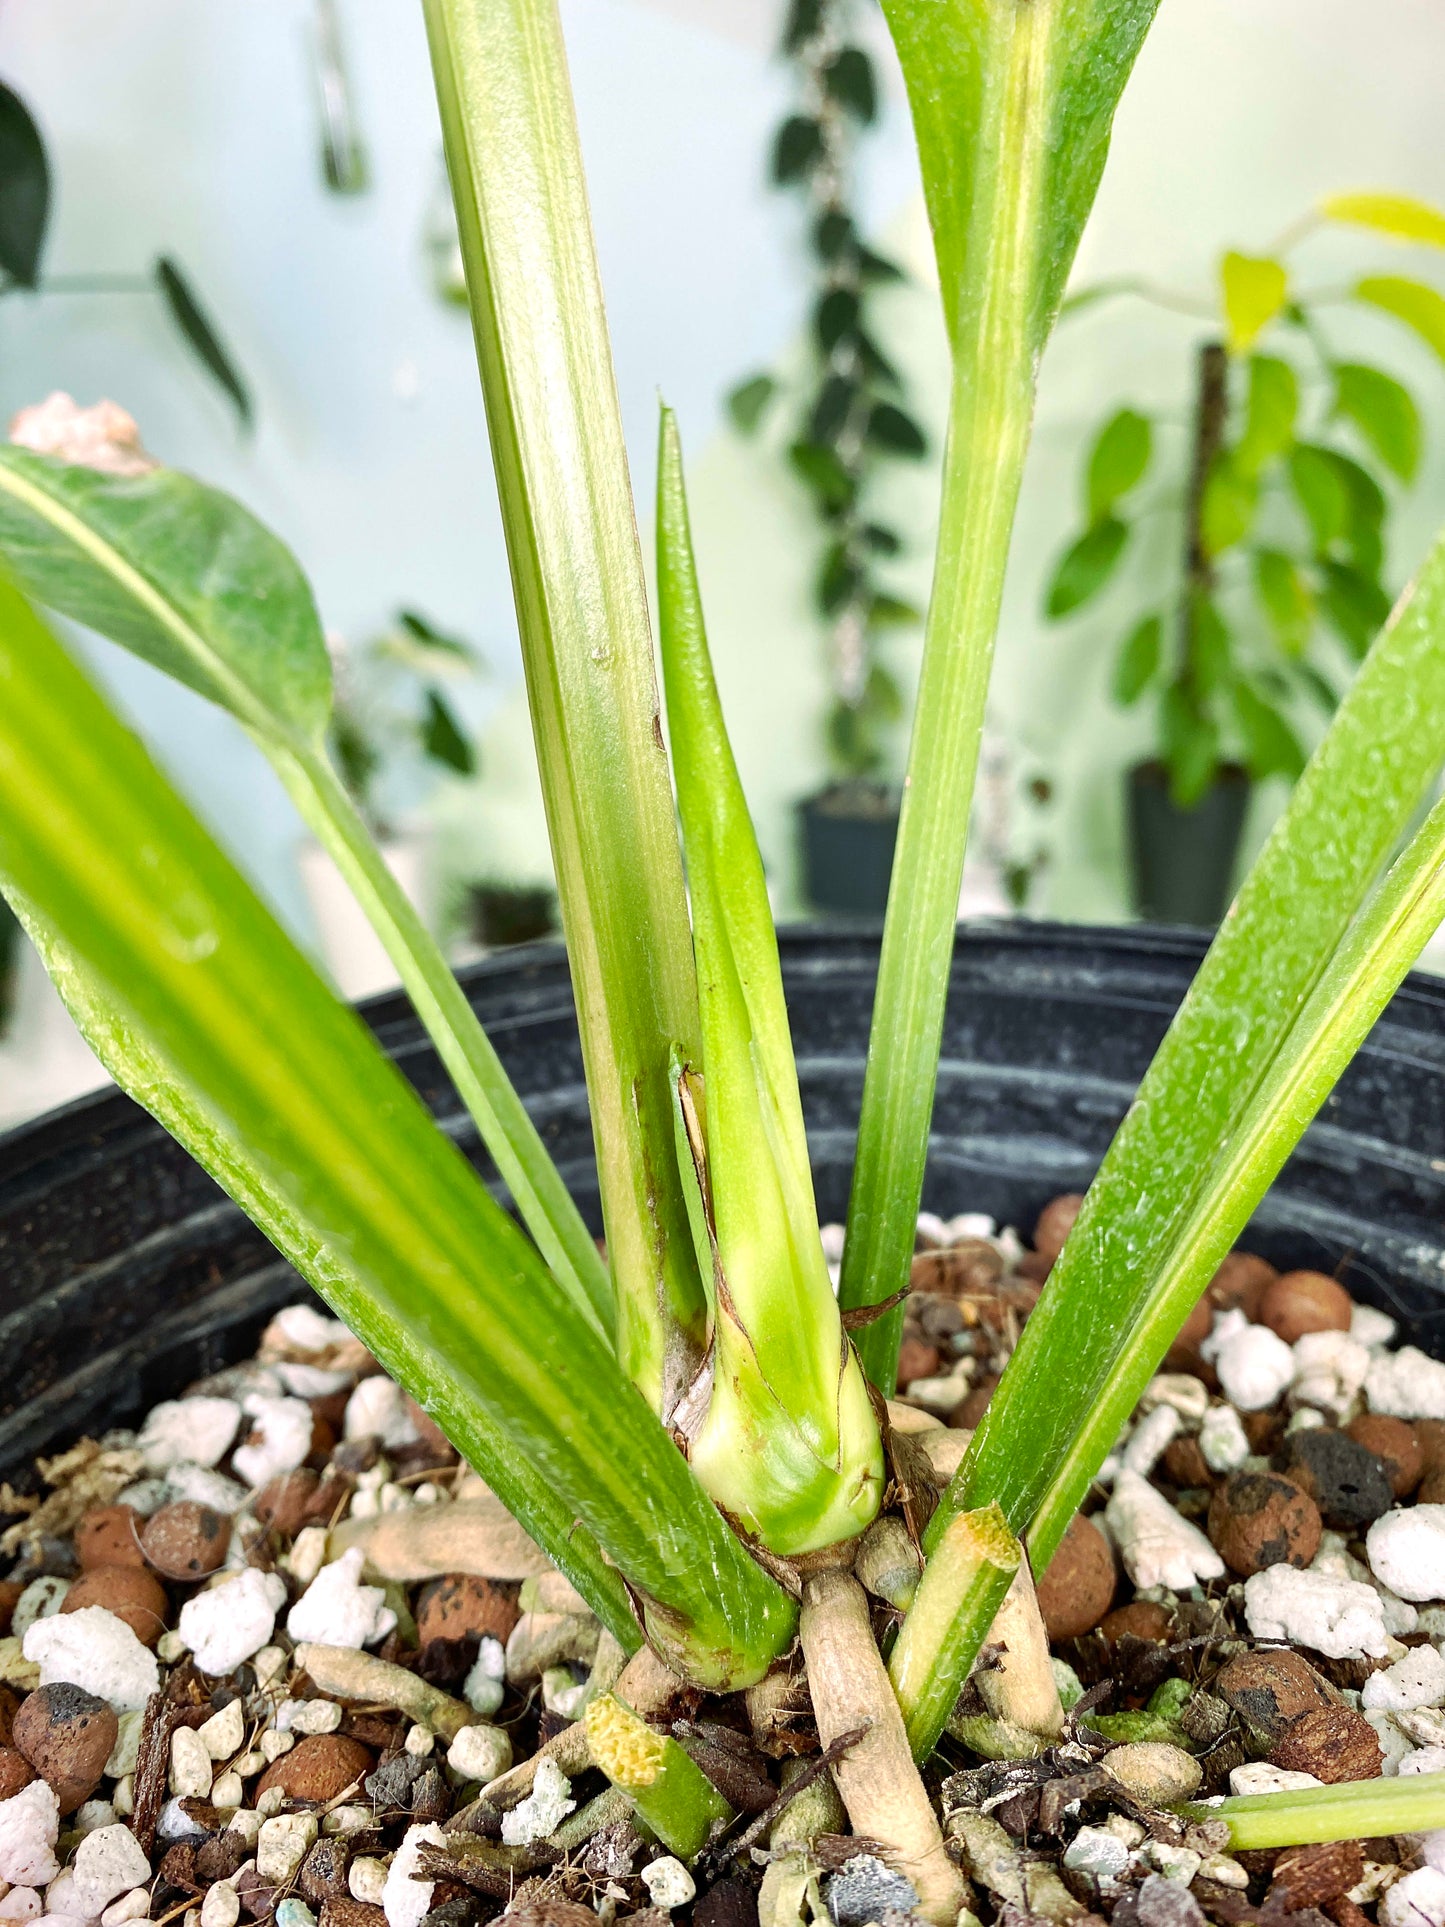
x: 853, y: 413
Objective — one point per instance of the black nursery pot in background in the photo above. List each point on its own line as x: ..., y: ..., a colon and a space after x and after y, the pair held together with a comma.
x: 848, y: 832
x: 1183, y: 861
x: 124, y: 1272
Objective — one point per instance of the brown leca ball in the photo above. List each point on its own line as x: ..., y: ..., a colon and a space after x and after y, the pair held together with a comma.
x: 130, y: 1592
x: 1143, y: 1618
x: 1078, y: 1587
x: 1240, y: 1283
x: 1305, y: 1301
x: 1258, y: 1519
x: 1395, y: 1445
x: 1056, y: 1221
x: 186, y: 1540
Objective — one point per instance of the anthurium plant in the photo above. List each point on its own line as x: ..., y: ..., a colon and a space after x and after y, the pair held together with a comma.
x: 696, y: 1429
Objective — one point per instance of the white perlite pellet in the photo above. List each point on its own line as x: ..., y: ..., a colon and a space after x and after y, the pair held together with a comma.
x: 480, y: 1753
x: 197, y: 1430
x: 1406, y: 1384
x: 108, y: 1863
x: 221, y: 1906
x: 1258, y: 1776
x: 29, y: 1827
x: 1158, y: 1547
x: 1253, y: 1364
x: 1222, y: 1439
x: 337, y: 1610
x: 366, y: 1879
x: 407, y: 1901
x: 282, y: 1844
x: 484, y: 1687
x: 1417, y: 1900
x: 1340, y: 1618
x: 1371, y: 1326
x: 223, y: 1733
x: 669, y: 1883
x: 94, y: 1649
x: 1330, y: 1368
x: 1416, y: 1680
x: 377, y: 1409
x: 190, y: 1765
x: 279, y: 1439
x: 224, y: 1626
x: 1406, y: 1551
x: 543, y: 1810
x: 1151, y: 1437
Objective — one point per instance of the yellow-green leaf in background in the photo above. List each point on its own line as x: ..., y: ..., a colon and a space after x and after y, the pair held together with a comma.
x: 1418, y: 305
x: 1400, y: 216
x: 1384, y: 413
x: 1254, y: 288
x: 1285, y: 599
x: 1231, y: 496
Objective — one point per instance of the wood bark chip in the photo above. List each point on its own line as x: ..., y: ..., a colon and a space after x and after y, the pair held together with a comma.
x: 876, y: 1777
x: 152, y: 1767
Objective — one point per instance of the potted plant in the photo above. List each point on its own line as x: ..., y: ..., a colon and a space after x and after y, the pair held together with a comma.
x: 393, y: 720
x: 695, y: 1430
x: 850, y: 420
x: 1279, y: 504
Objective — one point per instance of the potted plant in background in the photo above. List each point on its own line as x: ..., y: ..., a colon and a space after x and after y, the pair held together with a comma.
x: 1279, y: 502
x: 393, y: 725
x: 851, y: 419
x: 695, y: 1430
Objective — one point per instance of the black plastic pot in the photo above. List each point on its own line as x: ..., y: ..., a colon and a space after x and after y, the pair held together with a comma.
x: 1183, y: 861
x: 847, y: 833
x: 124, y: 1272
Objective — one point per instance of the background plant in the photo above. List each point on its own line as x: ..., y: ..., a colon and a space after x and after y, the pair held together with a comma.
x: 854, y: 414
x: 25, y: 193
x: 1279, y: 502
x: 394, y: 699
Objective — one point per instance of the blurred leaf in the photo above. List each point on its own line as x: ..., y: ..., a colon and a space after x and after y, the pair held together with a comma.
x: 804, y: 19
x: 1271, y: 747
x: 195, y: 324
x: 875, y: 363
x: 839, y: 577
x: 1319, y: 491
x: 442, y: 737
x: 1085, y: 567
x: 1190, y: 743
x: 892, y: 612
x: 1324, y: 693
x: 24, y: 191
x: 883, y: 541
x: 852, y: 743
x: 1400, y: 216
x: 1209, y: 646
x: 1117, y: 461
x: 1384, y: 412
x: 832, y: 408
x: 1231, y: 495
x: 849, y: 80
x: 1364, y: 511
x: 882, y: 696
x: 877, y: 267
x: 834, y: 234
x: 1354, y: 606
x: 797, y: 149
x: 1138, y: 660
x: 428, y: 652
x: 1270, y: 412
x: 1254, y: 289
x: 749, y: 399
x: 357, y: 757
x: 1420, y: 307
x: 1285, y: 598
x: 891, y: 428
x: 835, y: 317
x: 425, y: 631
x: 823, y: 473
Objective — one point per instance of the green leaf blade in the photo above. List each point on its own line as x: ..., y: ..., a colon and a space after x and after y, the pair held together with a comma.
x: 1420, y: 307
x: 1085, y: 567
x: 24, y: 191
x: 1384, y: 412
x: 789, y: 1445
x: 1138, y: 662
x: 1117, y: 462
x: 201, y: 334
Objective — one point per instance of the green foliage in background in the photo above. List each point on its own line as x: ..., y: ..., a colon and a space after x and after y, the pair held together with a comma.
x: 25, y: 199
x: 855, y: 414
x: 1278, y: 505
